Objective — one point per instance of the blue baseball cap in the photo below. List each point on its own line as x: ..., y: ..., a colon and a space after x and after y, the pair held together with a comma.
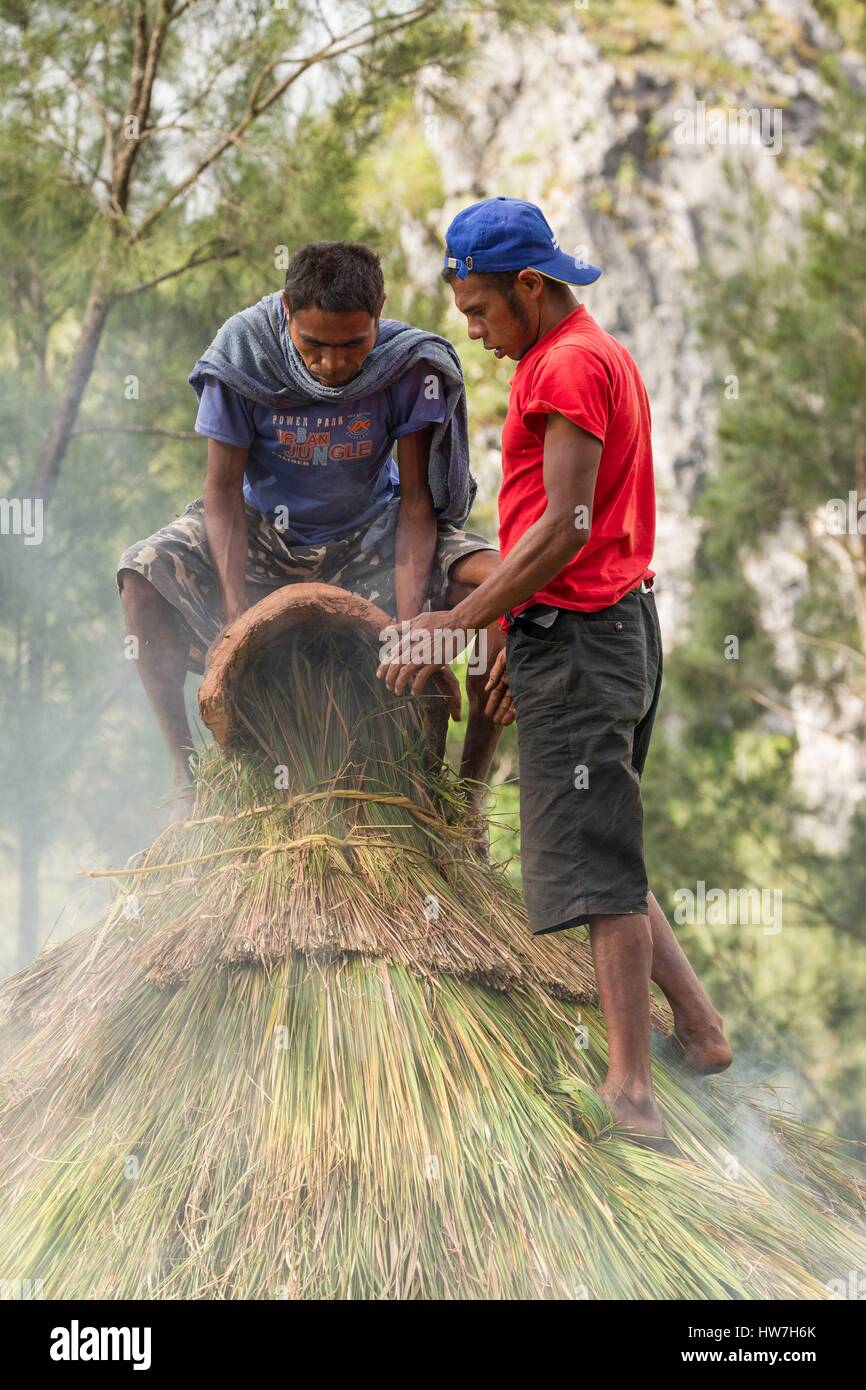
x: 509, y: 234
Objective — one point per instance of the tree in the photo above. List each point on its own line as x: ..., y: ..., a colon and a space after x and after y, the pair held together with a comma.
x: 105, y: 97
x: 788, y: 326
x: 785, y: 324
x: 158, y: 158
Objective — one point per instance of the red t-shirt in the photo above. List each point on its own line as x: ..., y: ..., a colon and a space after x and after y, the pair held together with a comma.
x: 579, y: 371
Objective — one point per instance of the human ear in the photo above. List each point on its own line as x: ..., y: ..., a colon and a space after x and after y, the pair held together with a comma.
x: 532, y: 282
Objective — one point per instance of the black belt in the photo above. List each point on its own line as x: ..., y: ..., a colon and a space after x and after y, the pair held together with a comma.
x: 545, y: 616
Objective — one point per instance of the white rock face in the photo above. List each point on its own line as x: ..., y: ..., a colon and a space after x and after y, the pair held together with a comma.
x: 599, y: 145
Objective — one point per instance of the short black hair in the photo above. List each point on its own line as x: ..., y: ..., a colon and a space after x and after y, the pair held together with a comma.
x: 501, y: 280
x: 340, y: 276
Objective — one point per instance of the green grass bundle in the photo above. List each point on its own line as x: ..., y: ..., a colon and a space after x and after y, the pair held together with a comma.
x: 313, y: 1052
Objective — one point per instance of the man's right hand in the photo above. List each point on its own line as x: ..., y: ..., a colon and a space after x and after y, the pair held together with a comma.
x: 500, y: 703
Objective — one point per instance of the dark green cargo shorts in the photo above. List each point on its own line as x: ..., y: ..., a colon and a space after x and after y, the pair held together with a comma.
x: 586, y: 690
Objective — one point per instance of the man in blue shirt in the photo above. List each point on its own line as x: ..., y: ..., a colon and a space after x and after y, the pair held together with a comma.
x: 302, y: 399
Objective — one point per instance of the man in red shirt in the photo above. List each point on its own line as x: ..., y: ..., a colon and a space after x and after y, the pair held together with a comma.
x: 583, y: 662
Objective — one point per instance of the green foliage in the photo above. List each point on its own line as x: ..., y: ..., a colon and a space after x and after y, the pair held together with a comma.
x: 788, y: 327
x: 226, y: 171
x: 785, y: 326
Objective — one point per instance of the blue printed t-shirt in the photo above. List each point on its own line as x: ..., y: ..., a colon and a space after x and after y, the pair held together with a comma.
x: 328, y: 467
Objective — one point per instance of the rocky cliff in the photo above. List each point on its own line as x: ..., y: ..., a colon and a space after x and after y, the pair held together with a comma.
x: 637, y: 127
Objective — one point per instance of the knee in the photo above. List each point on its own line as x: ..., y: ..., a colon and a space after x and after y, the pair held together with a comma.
x: 137, y: 594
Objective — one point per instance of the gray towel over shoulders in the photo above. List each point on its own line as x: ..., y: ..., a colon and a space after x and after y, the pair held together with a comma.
x: 251, y: 354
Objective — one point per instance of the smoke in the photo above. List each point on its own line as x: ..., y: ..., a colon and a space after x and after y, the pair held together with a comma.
x: 746, y: 1097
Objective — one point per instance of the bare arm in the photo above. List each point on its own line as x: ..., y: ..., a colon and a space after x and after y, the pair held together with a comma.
x: 415, y: 539
x: 571, y: 459
x: 225, y: 523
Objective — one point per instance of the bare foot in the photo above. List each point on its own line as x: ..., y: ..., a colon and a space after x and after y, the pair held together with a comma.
x: 638, y: 1115
x: 705, y: 1048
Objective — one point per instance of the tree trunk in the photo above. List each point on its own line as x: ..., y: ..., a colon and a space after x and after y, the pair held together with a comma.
x: 32, y: 788
x: 80, y: 368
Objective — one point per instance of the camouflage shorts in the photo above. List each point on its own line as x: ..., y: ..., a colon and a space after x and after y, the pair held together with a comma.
x: 177, y: 562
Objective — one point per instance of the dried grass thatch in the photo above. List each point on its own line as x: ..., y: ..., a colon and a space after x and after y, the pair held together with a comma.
x: 313, y: 1051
